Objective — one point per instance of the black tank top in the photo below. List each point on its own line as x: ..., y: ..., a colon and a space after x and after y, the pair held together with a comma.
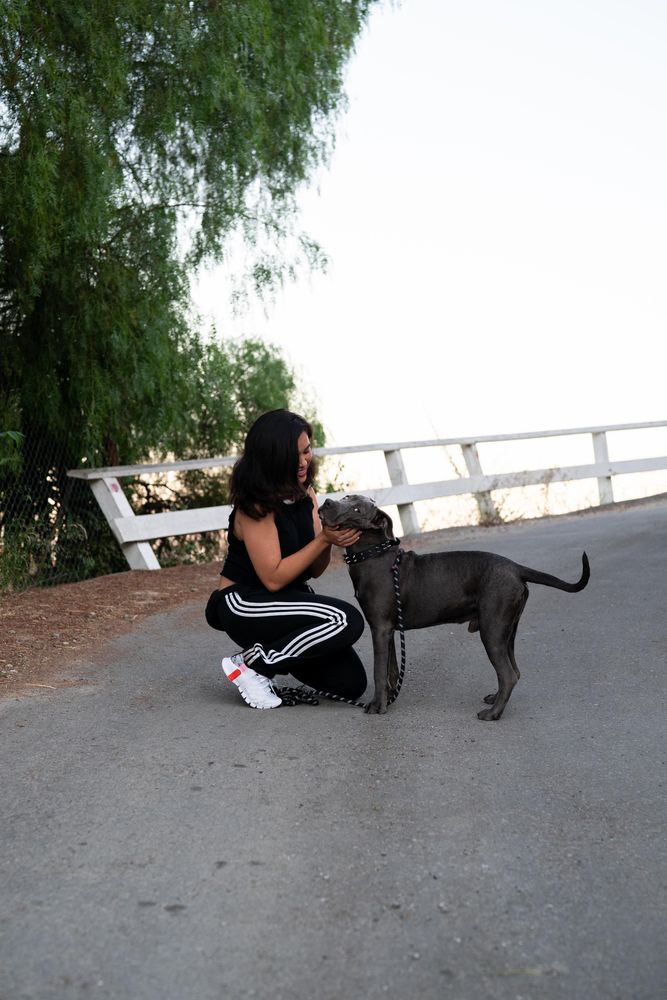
x: 295, y: 528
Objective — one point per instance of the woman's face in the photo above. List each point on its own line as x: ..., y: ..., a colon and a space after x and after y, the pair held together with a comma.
x: 305, y: 456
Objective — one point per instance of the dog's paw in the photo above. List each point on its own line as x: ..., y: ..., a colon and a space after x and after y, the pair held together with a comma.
x: 375, y: 707
x: 488, y: 715
x: 490, y: 698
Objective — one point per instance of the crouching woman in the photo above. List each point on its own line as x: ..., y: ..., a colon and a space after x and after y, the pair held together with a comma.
x: 276, y: 543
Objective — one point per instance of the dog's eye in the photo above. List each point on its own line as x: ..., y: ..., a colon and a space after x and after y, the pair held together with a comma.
x: 356, y: 510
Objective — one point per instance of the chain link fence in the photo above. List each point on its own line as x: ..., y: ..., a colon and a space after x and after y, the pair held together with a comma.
x: 52, y: 530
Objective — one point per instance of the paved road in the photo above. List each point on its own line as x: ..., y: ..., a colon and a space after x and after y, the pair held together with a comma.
x: 160, y: 841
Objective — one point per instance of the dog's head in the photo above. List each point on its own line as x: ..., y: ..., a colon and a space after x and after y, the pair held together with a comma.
x: 356, y: 511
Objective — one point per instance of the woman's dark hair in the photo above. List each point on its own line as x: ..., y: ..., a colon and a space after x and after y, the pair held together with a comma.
x: 266, y: 472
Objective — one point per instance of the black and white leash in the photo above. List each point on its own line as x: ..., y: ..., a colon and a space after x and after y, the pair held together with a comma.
x: 395, y: 569
x: 307, y: 696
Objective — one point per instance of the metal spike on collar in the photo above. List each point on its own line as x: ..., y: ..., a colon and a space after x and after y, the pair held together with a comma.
x: 375, y: 550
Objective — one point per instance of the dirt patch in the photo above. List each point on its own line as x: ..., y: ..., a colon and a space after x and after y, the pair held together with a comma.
x: 46, y: 630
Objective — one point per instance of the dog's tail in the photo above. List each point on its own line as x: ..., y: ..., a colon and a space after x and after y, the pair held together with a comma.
x: 529, y: 575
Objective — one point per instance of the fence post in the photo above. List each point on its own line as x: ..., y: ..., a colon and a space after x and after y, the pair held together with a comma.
x: 397, y: 477
x: 114, y: 503
x: 605, y: 487
x: 485, y: 504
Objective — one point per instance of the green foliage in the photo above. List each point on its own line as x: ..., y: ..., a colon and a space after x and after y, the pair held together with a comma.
x: 52, y: 529
x: 136, y: 138
x: 10, y: 451
x: 124, y: 127
x: 231, y: 384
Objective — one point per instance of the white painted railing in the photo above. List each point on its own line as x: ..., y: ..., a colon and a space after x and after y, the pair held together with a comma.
x: 134, y: 532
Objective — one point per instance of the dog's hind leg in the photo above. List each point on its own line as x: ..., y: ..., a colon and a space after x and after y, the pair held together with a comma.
x: 510, y: 648
x: 497, y: 651
x: 490, y: 698
x: 498, y: 637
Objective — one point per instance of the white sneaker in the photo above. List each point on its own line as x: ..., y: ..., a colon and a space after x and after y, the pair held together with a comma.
x: 255, y: 689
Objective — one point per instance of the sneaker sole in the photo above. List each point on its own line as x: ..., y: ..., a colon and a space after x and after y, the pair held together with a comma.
x: 252, y: 703
x: 260, y: 708
x: 232, y: 679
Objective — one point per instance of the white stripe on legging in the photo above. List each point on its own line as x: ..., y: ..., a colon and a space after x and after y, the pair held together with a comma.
x: 335, y: 621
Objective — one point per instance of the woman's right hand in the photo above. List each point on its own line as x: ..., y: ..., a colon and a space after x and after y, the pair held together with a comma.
x: 341, y: 536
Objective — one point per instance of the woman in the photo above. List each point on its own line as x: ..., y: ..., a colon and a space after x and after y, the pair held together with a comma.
x: 276, y: 544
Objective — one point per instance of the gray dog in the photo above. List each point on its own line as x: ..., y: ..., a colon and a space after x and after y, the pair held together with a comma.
x: 481, y: 588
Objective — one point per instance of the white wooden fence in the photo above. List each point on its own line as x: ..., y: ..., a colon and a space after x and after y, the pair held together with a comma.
x: 134, y: 532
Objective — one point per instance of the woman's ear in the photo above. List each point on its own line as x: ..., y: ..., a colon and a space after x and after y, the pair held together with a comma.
x: 382, y: 520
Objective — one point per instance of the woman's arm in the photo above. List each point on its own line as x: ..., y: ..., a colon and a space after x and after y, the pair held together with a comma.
x: 263, y: 545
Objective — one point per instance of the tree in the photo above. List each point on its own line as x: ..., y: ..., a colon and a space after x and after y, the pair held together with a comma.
x: 135, y: 139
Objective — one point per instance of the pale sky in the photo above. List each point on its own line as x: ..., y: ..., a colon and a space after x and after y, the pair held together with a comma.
x: 496, y: 221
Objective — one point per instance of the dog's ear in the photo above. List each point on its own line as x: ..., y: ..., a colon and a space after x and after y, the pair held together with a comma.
x: 382, y: 520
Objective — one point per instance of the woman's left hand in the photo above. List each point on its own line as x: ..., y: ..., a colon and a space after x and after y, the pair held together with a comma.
x: 341, y: 536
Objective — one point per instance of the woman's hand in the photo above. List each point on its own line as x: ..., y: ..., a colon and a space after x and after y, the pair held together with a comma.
x: 341, y: 536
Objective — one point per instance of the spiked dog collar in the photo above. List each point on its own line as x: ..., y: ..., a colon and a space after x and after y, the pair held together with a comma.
x: 370, y: 553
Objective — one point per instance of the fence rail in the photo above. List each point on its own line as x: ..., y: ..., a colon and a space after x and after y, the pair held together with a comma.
x: 135, y: 532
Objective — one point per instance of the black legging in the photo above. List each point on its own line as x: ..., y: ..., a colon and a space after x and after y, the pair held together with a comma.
x: 293, y: 631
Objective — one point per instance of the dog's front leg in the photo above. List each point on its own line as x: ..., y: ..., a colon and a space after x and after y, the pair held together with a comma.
x: 383, y: 639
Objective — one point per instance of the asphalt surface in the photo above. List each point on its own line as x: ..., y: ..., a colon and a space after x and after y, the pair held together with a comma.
x: 162, y: 840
